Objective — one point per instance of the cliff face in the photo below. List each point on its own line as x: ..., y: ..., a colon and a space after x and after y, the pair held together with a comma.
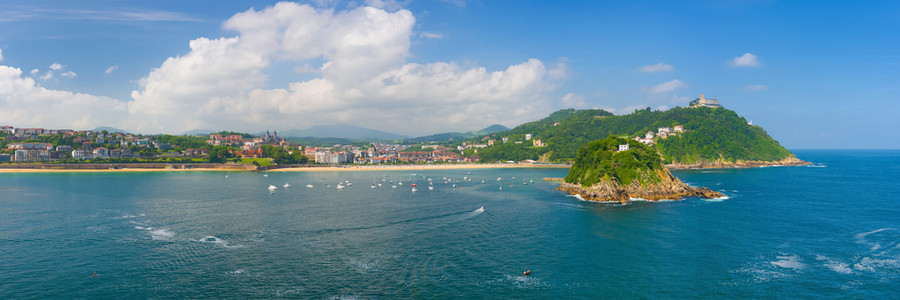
x: 610, y: 190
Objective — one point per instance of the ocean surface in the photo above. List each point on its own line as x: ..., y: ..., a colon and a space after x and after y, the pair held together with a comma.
x: 830, y: 230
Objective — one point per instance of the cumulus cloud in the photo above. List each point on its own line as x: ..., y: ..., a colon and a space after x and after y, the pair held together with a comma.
x: 34, y: 72
x: 56, y: 67
x: 573, y: 100
x: 68, y: 74
x: 755, y: 87
x: 25, y: 103
x: 431, y: 35
x: 660, y: 67
x: 111, y: 69
x: 667, y: 86
x: 746, y: 60
x: 364, y: 78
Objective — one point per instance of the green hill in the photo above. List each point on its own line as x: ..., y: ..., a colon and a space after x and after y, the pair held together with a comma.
x: 601, y: 160
x: 711, y: 135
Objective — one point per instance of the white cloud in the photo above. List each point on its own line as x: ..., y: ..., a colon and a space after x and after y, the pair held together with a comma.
x: 573, y: 100
x: 34, y: 72
x: 746, y: 60
x: 47, y: 76
x: 755, y: 88
x: 1, y: 55
x: 68, y: 74
x: 364, y: 78
x: 25, y: 103
x: 111, y: 69
x: 667, y: 86
x: 391, y: 5
x: 660, y: 67
x: 431, y: 35
x: 56, y: 67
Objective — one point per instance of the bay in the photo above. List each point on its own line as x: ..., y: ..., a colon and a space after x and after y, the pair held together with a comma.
x: 827, y: 230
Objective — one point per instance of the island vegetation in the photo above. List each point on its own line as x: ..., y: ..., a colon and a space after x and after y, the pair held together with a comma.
x: 619, y: 170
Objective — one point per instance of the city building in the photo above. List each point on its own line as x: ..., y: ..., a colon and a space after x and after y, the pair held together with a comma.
x: 101, y: 152
x: 528, y: 136
x: 679, y: 128
x: 624, y: 147
x: 537, y: 143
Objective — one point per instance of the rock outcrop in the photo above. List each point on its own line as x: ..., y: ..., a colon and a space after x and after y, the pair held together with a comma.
x: 790, y: 161
x: 610, y: 190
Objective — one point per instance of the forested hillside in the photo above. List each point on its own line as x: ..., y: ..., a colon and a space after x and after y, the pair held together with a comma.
x: 711, y: 134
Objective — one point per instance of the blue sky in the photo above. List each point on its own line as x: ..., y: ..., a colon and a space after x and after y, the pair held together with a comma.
x: 815, y: 74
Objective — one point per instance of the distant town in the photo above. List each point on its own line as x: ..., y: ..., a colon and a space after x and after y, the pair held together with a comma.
x: 40, y: 145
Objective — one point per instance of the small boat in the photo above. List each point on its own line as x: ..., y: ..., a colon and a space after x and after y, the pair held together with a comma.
x: 413, y: 185
x: 393, y: 186
x: 430, y: 188
x: 309, y: 185
x: 340, y: 187
x: 526, y: 273
x: 272, y: 187
x: 414, y: 189
x: 373, y: 186
x: 266, y: 175
x: 95, y: 274
x: 287, y: 185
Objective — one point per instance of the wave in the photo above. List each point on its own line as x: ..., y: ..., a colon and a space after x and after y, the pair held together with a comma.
x: 217, y: 241
x: 835, y: 265
x: 161, y: 234
x: 861, y: 238
x: 788, y: 262
x: 718, y: 199
x: 576, y: 196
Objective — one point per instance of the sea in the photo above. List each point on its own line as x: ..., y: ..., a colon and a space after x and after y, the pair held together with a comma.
x: 827, y: 230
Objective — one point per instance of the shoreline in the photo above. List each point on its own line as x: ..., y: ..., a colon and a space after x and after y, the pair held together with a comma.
x: 741, y: 164
x: 112, y: 168
x: 412, y: 167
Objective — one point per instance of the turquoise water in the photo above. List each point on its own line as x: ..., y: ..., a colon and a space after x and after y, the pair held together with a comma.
x: 830, y: 230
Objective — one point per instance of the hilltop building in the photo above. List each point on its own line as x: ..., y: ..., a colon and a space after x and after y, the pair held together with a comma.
x: 703, y: 101
x: 624, y: 147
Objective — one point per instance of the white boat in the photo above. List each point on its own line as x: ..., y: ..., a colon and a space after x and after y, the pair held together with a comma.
x: 414, y: 189
x: 272, y: 187
x: 430, y: 188
x: 287, y: 185
x: 340, y: 187
x: 309, y: 185
x: 266, y: 175
x: 393, y: 186
x: 373, y: 186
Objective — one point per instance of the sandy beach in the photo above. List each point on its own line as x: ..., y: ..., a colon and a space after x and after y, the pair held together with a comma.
x: 413, y: 167
x: 297, y: 169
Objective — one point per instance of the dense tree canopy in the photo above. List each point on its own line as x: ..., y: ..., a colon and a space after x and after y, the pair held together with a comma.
x: 601, y: 159
x: 711, y: 134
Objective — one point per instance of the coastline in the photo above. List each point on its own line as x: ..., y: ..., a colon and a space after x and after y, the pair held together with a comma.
x: 88, y: 168
x: 791, y: 161
x: 412, y: 167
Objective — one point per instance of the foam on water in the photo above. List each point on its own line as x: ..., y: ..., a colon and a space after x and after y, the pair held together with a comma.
x: 236, y: 272
x: 788, y: 262
x: 718, y: 199
x: 217, y: 241
x: 161, y: 234
x: 835, y: 265
x: 576, y: 196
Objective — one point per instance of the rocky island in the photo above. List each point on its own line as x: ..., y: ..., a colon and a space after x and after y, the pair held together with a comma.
x: 617, y: 170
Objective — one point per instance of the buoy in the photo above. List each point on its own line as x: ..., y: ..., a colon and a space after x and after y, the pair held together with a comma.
x: 526, y: 273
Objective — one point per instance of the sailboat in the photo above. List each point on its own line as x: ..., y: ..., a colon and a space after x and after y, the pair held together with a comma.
x: 272, y: 187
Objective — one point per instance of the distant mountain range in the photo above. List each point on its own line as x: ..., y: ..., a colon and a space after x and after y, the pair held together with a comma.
x: 352, y: 132
x: 109, y: 129
x: 440, y: 137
